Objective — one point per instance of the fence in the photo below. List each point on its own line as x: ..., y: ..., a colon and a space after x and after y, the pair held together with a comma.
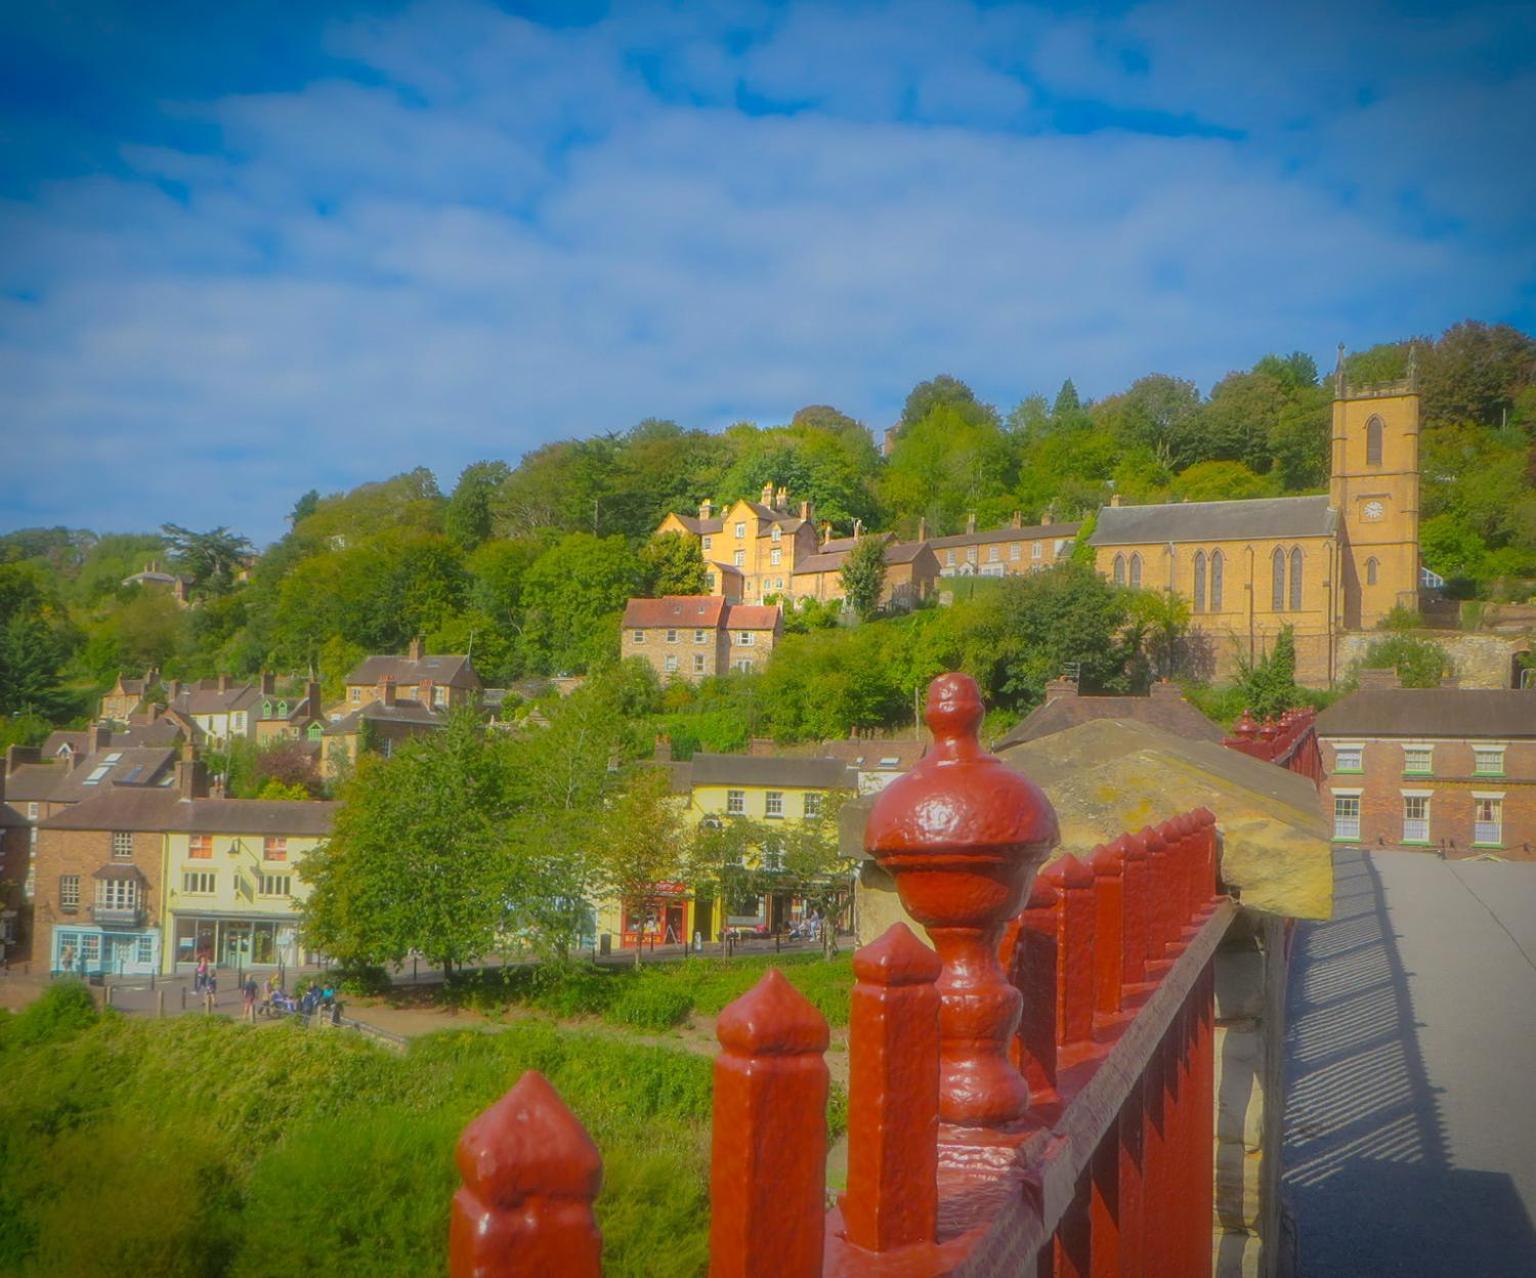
x: 1034, y: 1094
x: 1289, y: 741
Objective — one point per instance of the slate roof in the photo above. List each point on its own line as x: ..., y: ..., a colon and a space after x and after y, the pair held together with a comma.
x: 34, y: 782
x: 1215, y: 521
x: 1037, y: 532
x: 1170, y: 713
x: 700, y: 526
x: 452, y: 670
x: 679, y: 611
x: 139, y: 766
x: 752, y: 769
x: 403, y: 711
x: 1432, y: 712
x: 896, y: 552
x: 133, y: 808
x: 205, y: 700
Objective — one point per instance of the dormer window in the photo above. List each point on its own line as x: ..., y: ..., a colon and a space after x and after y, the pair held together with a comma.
x: 777, y: 533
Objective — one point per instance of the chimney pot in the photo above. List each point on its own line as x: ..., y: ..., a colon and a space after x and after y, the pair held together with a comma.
x: 805, y: 510
x: 922, y: 528
x: 970, y: 522
x: 767, y: 494
x: 1114, y: 499
x: 1018, y: 519
x: 413, y: 651
x: 223, y: 683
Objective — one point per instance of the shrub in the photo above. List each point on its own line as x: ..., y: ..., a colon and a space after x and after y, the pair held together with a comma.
x: 65, y: 1008
x: 361, y: 980
x: 1419, y: 663
x: 652, y: 1005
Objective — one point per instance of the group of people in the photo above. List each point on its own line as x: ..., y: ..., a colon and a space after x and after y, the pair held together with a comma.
x: 205, y: 980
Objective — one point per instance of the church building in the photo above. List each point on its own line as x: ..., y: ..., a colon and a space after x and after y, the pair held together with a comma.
x: 1323, y: 565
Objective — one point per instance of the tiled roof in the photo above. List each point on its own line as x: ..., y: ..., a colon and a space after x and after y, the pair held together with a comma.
x: 452, y: 670
x: 1432, y: 712
x: 752, y: 769
x: 403, y: 711
x: 752, y: 617
x: 1168, y: 712
x: 34, y: 782
x: 1037, y: 532
x: 1215, y: 521
x: 896, y: 552
x: 156, y: 810
x: 674, y: 610
x: 206, y: 700
x: 700, y: 526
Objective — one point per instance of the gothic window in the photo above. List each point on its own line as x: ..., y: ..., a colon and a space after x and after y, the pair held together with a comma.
x: 1135, y: 572
x: 1296, y: 579
x: 1277, y: 589
x: 1370, y: 572
x: 1199, y: 581
x: 1216, y: 559
x: 1119, y: 570
x: 1373, y: 442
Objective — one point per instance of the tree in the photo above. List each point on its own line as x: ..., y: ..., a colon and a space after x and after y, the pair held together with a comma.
x: 1067, y: 402
x: 304, y: 507
x: 863, y: 575
x: 1158, y: 413
x: 641, y: 837
x: 418, y: 859
x: 672, y: 564
x: 815, y: 865
x: 210, y: 558
x: 941, y: 391
x: 30, y: 660
x: 1222, y: 481
x: 1270, y: 685
x: 1163, y: 617
x: 1420, y: 663
x: 467, y: 519
x: 570, y: 592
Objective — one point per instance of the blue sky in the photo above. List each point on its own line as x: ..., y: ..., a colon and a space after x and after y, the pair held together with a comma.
x: 249, y: 249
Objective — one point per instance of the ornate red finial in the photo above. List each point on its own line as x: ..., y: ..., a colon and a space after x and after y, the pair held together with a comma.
x: 1246, y: 727
x: 530, y: 1173
x: 962, y: 834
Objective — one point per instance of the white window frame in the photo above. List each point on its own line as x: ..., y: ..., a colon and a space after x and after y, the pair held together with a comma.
x: 736, y: 802
x: 357, y: 695
x: 275, y: 885
x: 745, y: 638
x: 1345, y: 836
x: 199, y: 882
x: 773, y: 804
x: 122, y: 845
x: 741, y: 531
x: 1355, y: 747
x: 708, y: 542
x: 740, y: 559
x: 671, y: 636
x: 811, y: 806
x: 775, y: 557
x: 994, y: 554
x: 1037, y: 550
x: 117, y: 894
x: 743, y: 666
x: 1480, y: 752
x: 1482, y: 829
x: 670, y: 663
x: 69, y: 892
x: 639, y: 636
x: 698, y: 663
x: 698, y: 636
x: 776, y: 534
x: 1416, y: 829
x: 949, y: 558
x: 439, y: 694
x: 1428, y: 751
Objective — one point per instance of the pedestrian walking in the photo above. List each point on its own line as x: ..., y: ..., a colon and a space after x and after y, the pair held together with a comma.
x: 249, y: 1012
x: 200, y: 981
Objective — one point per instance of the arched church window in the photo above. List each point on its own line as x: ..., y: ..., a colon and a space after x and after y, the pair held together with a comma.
x: 1371, y: 567
x: 1373, y: 442
x: 1216, y: 565
x: 1277, y: 570
x: 1199, y: 581
x: 1119, y: 570
x: 1135, y: 572
x: 1296, y: 579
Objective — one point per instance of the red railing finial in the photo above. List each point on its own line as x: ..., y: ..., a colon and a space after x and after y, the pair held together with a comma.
x: 530, y: 1174
x: 962, y: 835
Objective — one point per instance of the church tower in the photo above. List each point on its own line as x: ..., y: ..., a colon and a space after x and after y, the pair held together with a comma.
x: 1374, y: 487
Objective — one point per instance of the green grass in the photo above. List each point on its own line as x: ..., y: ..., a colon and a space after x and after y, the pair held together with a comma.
x: 199, y: 1148
x: 653, y: 996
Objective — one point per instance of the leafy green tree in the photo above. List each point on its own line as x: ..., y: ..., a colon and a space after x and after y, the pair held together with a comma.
x: 1420, y: 663
x: 1269, y: 685
x: 1158, y: 413
x: 944, y: 391
x: 467, y: 519
x: 1067, y: 403
x: 863, y: 575
x: 570, y: 592
x: 418, y: 859
x: 815, y: 865
x: 672, y: 564
x: 304, y: 507
x: 1163, y: 619
x: 641, y: 837
x: 1222, y: 481
x: 948, y: 462
x: 31, y: 657
x: 1474, y: 372
x: 210, y: 558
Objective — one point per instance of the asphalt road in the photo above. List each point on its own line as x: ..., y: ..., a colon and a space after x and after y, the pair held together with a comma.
x: 1411, y: 1072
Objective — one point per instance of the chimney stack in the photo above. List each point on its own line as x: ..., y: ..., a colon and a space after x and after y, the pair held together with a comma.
x: 922, y: 528
x: 970, y: 522
x: 1018, y: 519
x: 706, y: 508
x: 805, y: 511
x: 16, y: 756
x: 174, y: 691
x: 223, y: 683
x: 387, y: 690
x: 268, y: 683
x: 1114, y: 499
x: 413, y: 650
x: 1047, y: 516
x: 1058, y: 688
x: 191, y: 774
x: 424, y: 693
x: 1378, y: 679
x: 781, y: 499
x: 761, y: 748
x: 767, y: 494
x: 312, y: 695
x: 1166, y: 690
x: 662, y: 752
x: 101, y: 736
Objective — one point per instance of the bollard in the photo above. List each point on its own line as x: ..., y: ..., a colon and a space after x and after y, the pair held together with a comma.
x: 767, y: 1188
x: 530, y: 1174
x: 183, y: 998
x: 160, y: 1003
x: 893, y: 1099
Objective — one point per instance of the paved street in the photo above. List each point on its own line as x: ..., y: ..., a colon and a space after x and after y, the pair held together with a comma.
x: 1411, y: 1072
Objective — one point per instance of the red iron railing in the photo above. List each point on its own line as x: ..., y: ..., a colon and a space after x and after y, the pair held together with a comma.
x: 1034, y: 1095
x: 1289, y: 741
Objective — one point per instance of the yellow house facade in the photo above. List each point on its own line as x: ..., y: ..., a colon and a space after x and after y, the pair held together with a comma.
x: 718, y: 787
x: 1323, y: 565
x: 751, y: 548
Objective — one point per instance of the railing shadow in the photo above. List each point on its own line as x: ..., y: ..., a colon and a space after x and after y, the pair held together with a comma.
x: 1367, y: 1167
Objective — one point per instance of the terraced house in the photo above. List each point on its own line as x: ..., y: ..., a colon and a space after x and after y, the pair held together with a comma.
x: 693, y: 637
x: 143, y: 878
x: 1450, y: 770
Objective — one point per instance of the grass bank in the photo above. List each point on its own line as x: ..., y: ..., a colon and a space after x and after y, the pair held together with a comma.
x: 198, y: 1148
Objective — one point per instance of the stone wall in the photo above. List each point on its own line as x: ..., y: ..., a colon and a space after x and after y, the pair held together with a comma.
x: 1481, y: 660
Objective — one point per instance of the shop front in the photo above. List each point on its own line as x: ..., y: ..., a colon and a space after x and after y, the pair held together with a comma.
x: 97, y: 951
x: 230, y: 940
x: 661, y: 919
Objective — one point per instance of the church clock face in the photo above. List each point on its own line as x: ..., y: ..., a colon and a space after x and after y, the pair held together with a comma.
x: 1372, y: 511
